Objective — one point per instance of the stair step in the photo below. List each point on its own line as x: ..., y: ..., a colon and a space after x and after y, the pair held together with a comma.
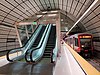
x: 46, y: 56
x: 34, y: 45
x: 49, y: 46
x: 47, y: 51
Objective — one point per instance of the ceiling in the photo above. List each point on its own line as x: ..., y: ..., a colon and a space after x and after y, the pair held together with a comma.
x: 12, y: 11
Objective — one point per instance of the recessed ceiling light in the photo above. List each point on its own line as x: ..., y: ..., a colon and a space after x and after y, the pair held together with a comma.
x: 62, y: 20
x: 54, y: 11
x: 44, y: 12
x: 52, y: 14
x: 39, y: 15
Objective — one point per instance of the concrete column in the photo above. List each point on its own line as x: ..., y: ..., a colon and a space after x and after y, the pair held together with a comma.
x: 26, y: 32
x: 32, y: 27
x: 18, y: 35
x: 58, y: 23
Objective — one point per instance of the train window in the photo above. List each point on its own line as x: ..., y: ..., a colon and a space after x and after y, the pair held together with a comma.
x: 85, y: 42
x: 76, y: 42
x: 71, y: 41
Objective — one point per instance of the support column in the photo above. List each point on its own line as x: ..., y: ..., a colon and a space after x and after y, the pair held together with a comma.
x: 58, y: 23
x: 32, y: 28
x: 17, y: 32
x: 26, y: 32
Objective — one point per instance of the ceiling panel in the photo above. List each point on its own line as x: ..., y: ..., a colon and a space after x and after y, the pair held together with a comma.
x: 8, y: 20
x: 39, y: 4
x: 17, y: 10
x: 34, y: 5
x: 94, y: 19
x: 48, y: 3
x: 56, y: 3
x: 4, y: 8
x: 97, y: 25
x: 75, y: 3
x: 81, y: 1
x: 69, y: 3
x: 14, y: 2
x: 52, y: 4
x: 5, y: 3
x: 1, y: 18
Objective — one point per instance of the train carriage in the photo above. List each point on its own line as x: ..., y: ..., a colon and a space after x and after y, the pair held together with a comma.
x: 81, y: 43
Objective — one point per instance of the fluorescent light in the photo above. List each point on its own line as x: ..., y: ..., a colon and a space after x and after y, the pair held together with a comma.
x: 62, y: 20
x: 44, y: 12
x: 54, y: 11
x: 39, y: 15
x: 66, y: 28
x: 52, y: 14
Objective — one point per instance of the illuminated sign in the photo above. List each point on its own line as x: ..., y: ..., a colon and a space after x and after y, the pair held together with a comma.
x: 84, y: 36
x: 34, y: 23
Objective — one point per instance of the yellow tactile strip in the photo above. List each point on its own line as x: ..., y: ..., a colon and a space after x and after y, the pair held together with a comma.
x: 89, y: 69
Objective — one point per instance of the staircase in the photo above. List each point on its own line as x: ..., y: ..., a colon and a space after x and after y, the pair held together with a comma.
x: 50, y: 43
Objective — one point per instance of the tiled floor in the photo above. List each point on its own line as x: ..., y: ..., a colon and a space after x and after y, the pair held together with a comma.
x: 22, y: 68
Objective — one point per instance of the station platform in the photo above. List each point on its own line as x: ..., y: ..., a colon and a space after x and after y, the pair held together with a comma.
x: 68, y: 62
x: 73, y: 63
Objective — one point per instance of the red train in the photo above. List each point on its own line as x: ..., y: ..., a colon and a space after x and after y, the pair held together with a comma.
x: 81, y: 43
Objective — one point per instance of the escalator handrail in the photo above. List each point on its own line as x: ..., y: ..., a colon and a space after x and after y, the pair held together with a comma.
x: 31, y: 35
x: 39, y: 45
x: 20, y: 48
x: 47, y: 32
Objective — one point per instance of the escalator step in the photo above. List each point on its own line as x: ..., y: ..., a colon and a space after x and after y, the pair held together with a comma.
x: 47, y: 51
x: 46, y: 56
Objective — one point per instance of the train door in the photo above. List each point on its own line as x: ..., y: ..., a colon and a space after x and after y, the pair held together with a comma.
x: 74, y: 43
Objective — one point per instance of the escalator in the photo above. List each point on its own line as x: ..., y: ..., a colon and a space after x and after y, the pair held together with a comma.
x: 35, y: 49
x: 19, y: 53
x: 43, y: 65
x: 39, y: 37
x: 50, y: 43
x: 45, y: 47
